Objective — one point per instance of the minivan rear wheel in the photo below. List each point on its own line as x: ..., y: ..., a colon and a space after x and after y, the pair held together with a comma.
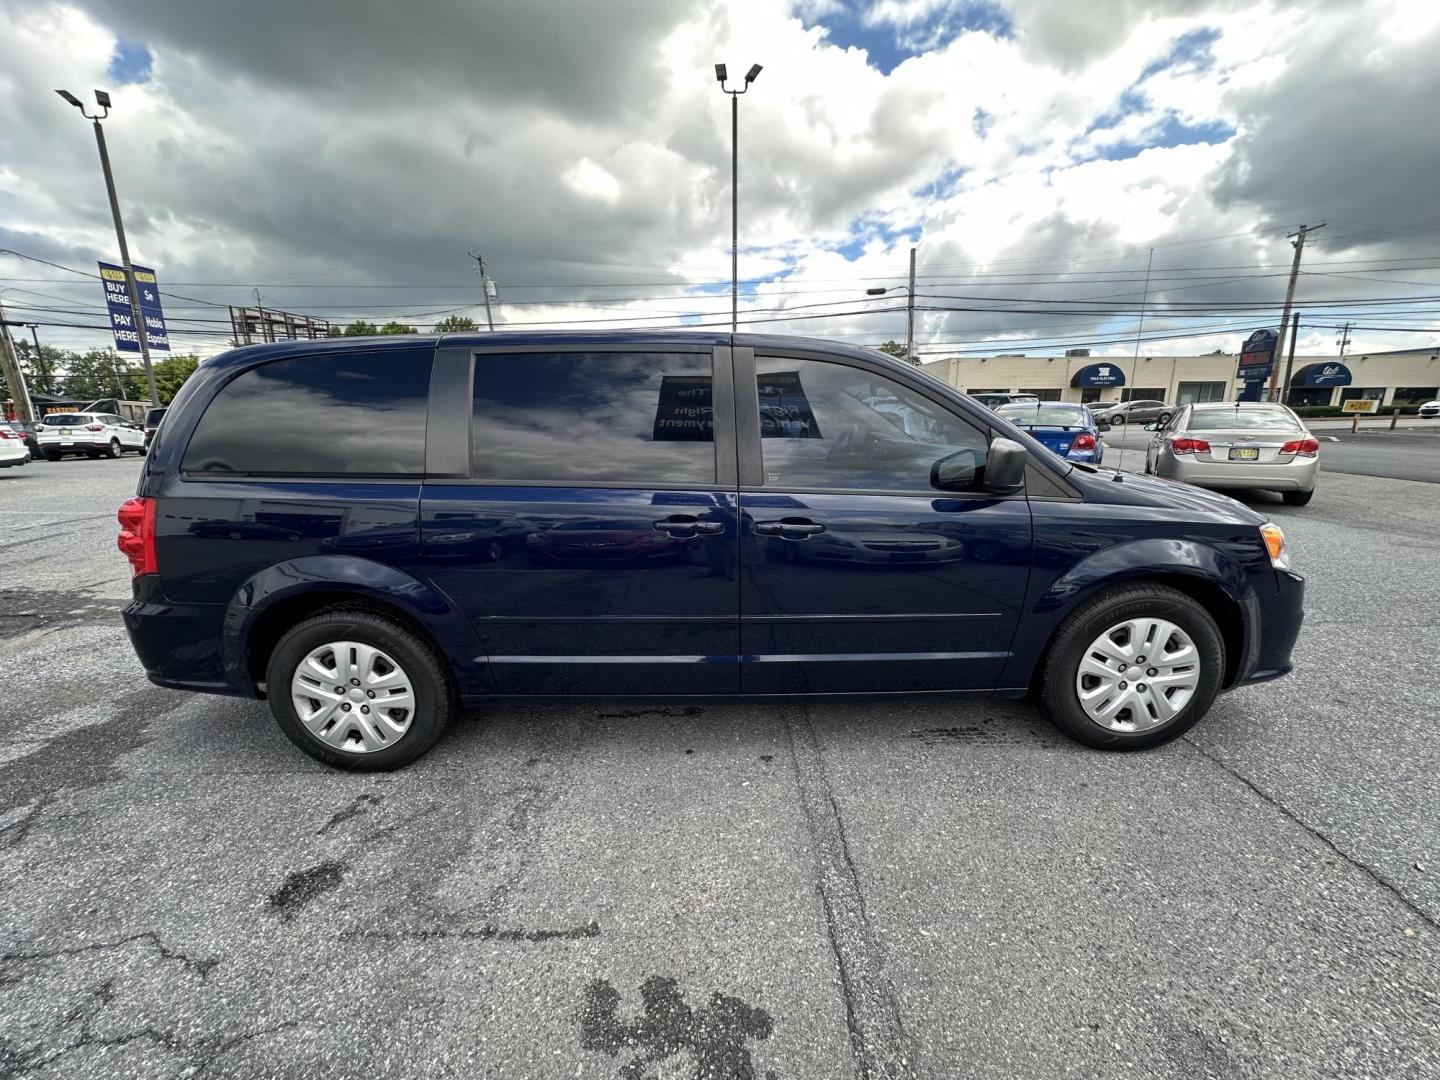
x: 1134, y: 667
x: 358, y: 690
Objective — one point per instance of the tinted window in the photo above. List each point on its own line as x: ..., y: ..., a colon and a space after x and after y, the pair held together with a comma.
x: 65, y: 419
x: 640, y: 418
x: 356, y: 414
x: 828, y: 425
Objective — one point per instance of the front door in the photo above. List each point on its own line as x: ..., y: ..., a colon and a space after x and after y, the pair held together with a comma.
x: 858, y: 574
x: 593, y: 541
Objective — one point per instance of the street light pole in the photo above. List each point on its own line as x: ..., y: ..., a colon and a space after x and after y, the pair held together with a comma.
x: 909, y: 308
x: 103, y: 99
x: 720, y: 76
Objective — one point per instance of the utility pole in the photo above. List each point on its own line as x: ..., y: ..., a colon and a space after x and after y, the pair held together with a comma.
x: 103, y: 99
x: 1344, y: 340
x: 1290, y: 359
x: 14, y: 377
x: 910, y: 314
x: 484, y: 287
x: 1297, y: 241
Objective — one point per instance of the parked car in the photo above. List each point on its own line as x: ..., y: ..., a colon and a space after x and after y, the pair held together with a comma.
x: 13, y: 450
x: 90, y: 433
x: 26, y: 433
x: 152, y: 422
x: 1430, y: 410
x: 1141, y: 411
x: 1238, y: 444
x: 1070, y: 430
x: 994, y: 401
x: 949, y: 559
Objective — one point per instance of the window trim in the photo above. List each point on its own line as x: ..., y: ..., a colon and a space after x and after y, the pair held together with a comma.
x: 747, y: 404
x: 720, y: 401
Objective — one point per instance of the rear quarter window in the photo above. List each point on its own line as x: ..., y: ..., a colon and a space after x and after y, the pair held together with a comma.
x: 347, y: 414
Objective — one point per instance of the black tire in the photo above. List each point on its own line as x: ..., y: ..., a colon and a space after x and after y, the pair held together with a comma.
x: 435, y: 698
x: 1298, y: 498
x: 114, y: 450
x: 1091, y: 619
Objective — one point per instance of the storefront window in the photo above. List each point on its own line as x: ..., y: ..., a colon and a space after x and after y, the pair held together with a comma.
x: 1143, y: 393
x: 1356, y: 393
x: 1049, y: 393
x: 1309, y: 395
x: 1415, y: 395
x: 1188, y: 393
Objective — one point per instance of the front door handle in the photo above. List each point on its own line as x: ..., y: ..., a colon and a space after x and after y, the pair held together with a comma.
x: 789, y: 528
x: 683, y: 525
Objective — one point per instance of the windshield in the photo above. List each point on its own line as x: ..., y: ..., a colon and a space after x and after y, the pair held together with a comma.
x: 1044, y: 415
x: 65, y: 420
x: 1241, y: 420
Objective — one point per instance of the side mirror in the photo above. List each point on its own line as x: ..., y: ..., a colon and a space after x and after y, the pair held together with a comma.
x: 1102, y: 425
x: 955, y: 472
x: 1005, y: 471
x: 1154, y: 425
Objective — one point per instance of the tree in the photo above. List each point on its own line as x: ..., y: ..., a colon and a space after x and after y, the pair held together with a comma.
x: 455, y: 324
x: 396, y: 328
x: 894, y: 348
x: 170, y: 375
x: 360, y: 328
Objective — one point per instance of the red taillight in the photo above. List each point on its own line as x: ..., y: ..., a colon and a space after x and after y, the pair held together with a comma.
x: 137, y: 535
x: 94, y: 427
x: 1302, y: 447
x: 1189, y: 446
x: 1083, y: 441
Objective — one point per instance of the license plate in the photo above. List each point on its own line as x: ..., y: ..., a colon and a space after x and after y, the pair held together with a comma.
x: 1243, y: 453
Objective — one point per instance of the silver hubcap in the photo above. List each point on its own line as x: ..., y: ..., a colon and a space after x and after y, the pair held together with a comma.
x: 353, y: 697
x: 1138, y: 675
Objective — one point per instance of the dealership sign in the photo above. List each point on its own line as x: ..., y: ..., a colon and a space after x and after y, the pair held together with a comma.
x: 122, y: 315
x: 1099, y: 375
x: 1324, y: 374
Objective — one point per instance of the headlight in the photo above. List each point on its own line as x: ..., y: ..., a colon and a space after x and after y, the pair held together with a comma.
x: 1275, y: 544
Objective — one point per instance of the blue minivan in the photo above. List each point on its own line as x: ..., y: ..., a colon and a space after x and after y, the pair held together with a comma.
x: 373, y: 533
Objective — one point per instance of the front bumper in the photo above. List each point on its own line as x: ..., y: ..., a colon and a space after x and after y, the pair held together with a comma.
x: 1274, y: 623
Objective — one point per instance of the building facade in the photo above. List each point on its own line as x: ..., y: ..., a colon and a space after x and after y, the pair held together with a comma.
x: 1397, y: 378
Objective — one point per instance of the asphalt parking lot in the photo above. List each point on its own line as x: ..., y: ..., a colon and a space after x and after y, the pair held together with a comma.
x: 925, y: 889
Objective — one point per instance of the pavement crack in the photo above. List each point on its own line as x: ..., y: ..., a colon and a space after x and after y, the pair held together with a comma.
x: 1369, y: 871
x: 480, y: 933
x: 17, y: 832
x: 200, y: 967
x: 877, y: 1036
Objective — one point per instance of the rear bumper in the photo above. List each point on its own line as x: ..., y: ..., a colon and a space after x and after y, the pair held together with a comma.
x: 1275, y: 623
x: 179, y: 645
x: 1297, y: 475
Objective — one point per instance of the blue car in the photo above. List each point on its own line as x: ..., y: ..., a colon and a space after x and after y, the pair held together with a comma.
x: 433, y: 522
x: 1070, y: 430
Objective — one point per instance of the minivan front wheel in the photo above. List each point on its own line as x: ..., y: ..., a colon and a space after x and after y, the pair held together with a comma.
x: 357, y: 690
x: 1134, y: 667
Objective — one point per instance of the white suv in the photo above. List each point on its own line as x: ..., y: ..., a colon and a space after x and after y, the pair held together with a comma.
x: 88, y: 433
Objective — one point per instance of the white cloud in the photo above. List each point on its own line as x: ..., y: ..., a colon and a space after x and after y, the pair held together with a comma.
x: 379, y: 148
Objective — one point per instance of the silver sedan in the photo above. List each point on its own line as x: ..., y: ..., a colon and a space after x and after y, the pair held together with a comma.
x: 1236, y: 444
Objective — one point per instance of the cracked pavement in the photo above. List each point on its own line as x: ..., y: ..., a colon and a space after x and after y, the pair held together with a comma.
x: 909, y: 889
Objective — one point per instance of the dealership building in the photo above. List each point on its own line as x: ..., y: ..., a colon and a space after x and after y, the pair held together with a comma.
x: 1394, y: 378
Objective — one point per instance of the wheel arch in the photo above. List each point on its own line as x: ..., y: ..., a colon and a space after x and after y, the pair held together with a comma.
x: 1200, y: 571
x: 282, y: 595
